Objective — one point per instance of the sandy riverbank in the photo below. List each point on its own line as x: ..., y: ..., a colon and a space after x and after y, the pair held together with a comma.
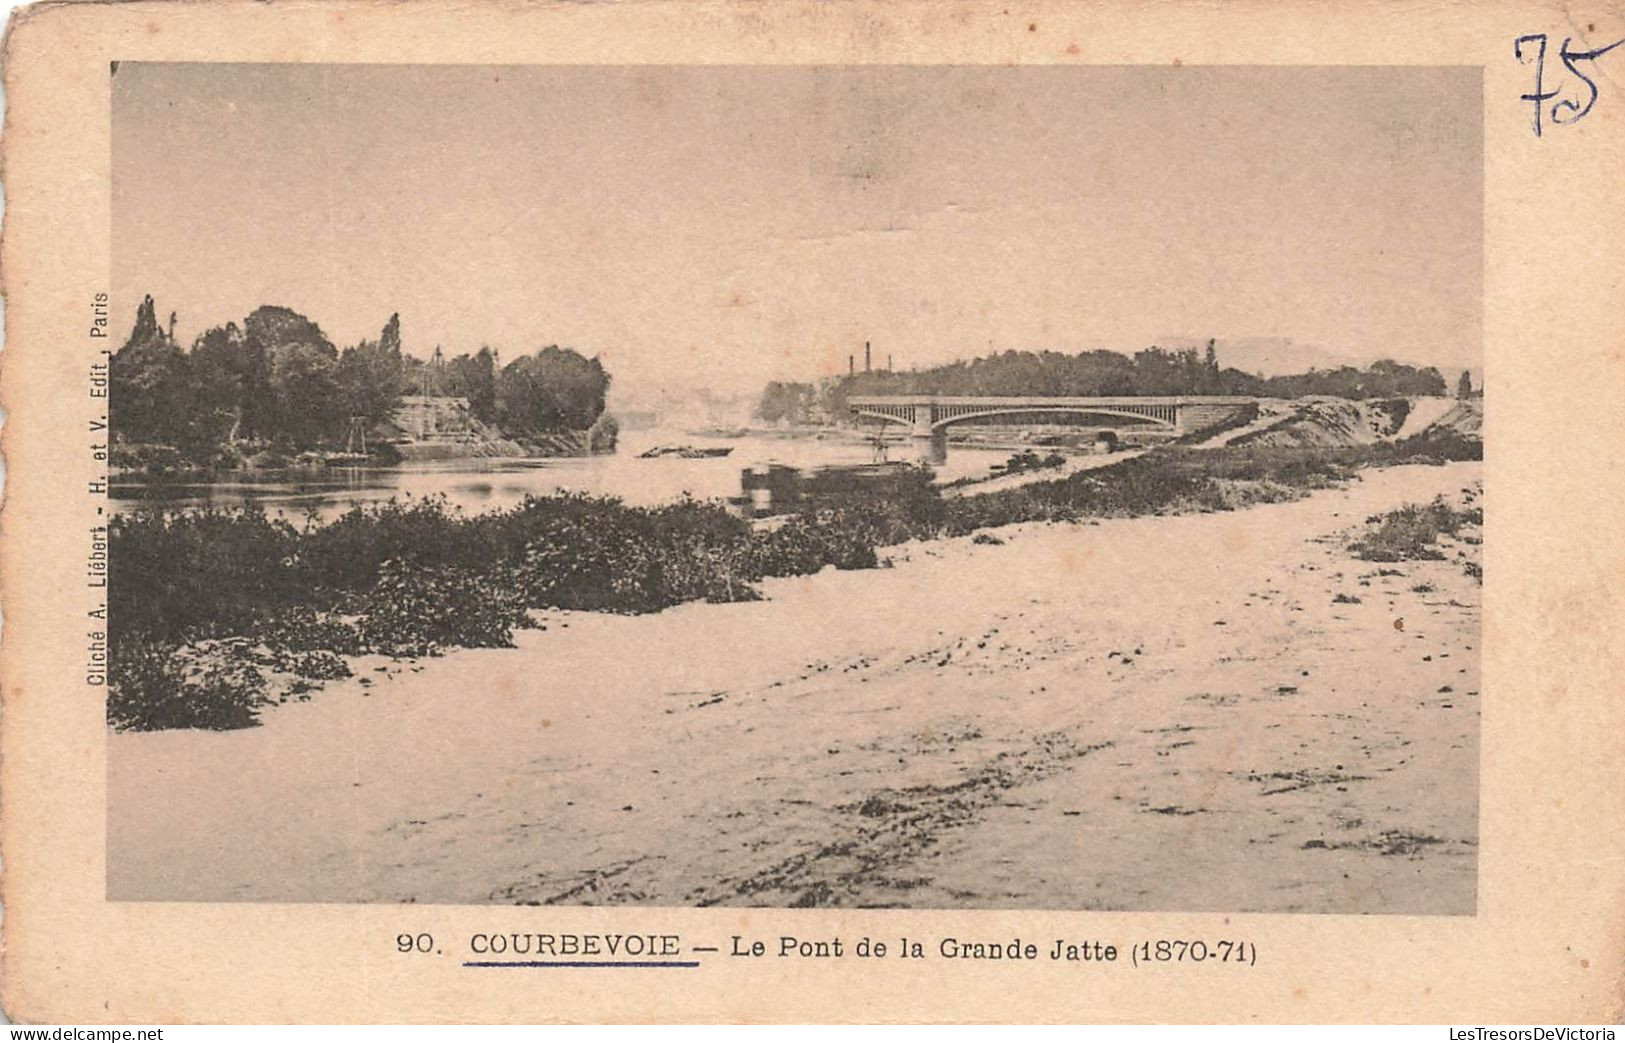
x: 1153, y: 713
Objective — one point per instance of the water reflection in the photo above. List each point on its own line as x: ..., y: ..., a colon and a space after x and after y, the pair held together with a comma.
x: 478, y: 485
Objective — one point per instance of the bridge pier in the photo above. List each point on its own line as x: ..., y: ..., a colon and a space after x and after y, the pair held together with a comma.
x: 930, y: 446
x: 930, y: 442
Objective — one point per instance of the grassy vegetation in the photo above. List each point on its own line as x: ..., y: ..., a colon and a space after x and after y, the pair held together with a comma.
x: 1412, y: 532
x: 206, y: 603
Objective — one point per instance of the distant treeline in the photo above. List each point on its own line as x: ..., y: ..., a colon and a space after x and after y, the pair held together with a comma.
x: 277, y: 380
x: 1154, y: 371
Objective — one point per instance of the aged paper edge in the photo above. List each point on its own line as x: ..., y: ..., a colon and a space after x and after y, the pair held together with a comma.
x: 1548, y: 943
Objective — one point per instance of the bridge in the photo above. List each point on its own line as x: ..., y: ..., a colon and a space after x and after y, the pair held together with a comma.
x: 928, y: 417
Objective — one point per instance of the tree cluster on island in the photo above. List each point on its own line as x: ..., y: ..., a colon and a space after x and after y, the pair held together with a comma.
x: 277, y: 381
x: 1151, y: 372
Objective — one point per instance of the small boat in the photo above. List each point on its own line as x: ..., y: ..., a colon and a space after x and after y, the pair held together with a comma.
x: 685, y: 452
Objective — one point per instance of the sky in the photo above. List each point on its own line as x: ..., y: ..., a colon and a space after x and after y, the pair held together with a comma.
x: 722, y: 226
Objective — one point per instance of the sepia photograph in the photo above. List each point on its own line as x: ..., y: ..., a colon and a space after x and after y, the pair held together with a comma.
x: 938, y: 487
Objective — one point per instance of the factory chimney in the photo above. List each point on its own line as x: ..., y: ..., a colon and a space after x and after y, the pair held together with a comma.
x: 851, y: 365
x: 866, y: 366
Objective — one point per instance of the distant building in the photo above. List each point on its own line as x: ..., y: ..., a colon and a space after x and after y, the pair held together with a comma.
x: 436, y: 418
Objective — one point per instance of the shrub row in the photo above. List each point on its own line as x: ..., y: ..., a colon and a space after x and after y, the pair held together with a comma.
x: 413, y: 578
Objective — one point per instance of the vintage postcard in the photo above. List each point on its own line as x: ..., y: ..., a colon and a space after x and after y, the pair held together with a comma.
x: 930, y: 511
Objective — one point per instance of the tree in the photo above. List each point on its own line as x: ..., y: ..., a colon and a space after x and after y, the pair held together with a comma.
x: 372, y: 375
x: 371, y: 381
x: 482, y: 386
x: 1464, y: 386
x: 151, y: 391
x: 474, y: 377
x: 304, y: 404
x: 782, y: 400
x: 556, y: 389
x: 273, y: 326
x: 146, y: 328
x: 221, y: 371
x: 309, y: 406
x: 389, y: 341
x: 1152, y: 371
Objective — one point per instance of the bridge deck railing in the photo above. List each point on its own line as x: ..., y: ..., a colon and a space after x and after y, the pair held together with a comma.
x: 1050, y: 400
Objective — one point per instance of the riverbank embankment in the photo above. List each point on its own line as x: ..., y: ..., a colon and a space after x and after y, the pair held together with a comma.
x: 1223, y: 711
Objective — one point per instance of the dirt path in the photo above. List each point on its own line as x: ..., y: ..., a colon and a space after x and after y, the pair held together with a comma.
x: 1423, y: 414
x: 1155, y: 713
x: 1270, y: 413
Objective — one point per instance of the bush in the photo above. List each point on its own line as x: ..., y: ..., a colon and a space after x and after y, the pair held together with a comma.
x: 415, y: 610
x: 149, y: 459
x: 1396, y: 409
x: 1433, y: 445
x: 202, y: 572
x: 806, y: 543
x: 153, y: 685
x: 301, y: 628
x: 316, y: 664
x: 1028, y: 460
x: 349, y: 552
x: 690, y: 571
x: 1409, y: 533
x: 571, y: 564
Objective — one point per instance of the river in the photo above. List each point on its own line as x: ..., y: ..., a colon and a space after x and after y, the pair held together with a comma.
x: 478, y: 485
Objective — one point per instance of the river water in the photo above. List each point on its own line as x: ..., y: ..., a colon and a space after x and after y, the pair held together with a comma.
x: 478, y: 485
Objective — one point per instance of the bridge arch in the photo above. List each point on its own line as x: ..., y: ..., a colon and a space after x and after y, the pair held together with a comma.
x: 937, y: 417
x: 929, y: 416
x: 890, y: 418
x: 1168, y: 421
